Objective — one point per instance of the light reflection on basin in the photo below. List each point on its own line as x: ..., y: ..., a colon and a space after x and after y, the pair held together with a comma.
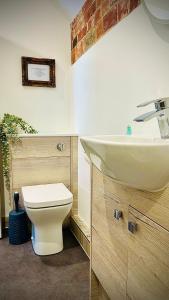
x: 138, y: 162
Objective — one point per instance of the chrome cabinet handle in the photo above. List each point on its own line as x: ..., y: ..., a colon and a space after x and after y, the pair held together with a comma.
x: 132, y: 227
x: 60, y: 147
x: 117, y: 214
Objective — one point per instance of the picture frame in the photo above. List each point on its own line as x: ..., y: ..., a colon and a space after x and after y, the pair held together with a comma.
x: 38, y: 72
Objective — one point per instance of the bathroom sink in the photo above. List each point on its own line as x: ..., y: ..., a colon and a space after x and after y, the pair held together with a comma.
x: 141, y: 163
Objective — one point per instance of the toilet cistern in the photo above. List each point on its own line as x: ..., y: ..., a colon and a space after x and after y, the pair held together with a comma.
x: 161, y: 112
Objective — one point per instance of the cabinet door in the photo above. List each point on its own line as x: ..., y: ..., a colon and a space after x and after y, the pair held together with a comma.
x: 148, y: 259
x: 109, y: 243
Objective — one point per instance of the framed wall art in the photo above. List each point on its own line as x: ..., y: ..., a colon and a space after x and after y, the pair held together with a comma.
x: 38, y: 72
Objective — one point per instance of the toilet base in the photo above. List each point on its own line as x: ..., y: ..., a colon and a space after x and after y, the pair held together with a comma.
x: 49, y: 246
x: 47, y: 236
x: 46, y: 249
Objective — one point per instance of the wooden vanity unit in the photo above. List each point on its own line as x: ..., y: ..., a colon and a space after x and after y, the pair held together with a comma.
x: 129, y: 242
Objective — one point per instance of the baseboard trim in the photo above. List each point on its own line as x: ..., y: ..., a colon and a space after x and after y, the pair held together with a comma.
x: 81, y: 233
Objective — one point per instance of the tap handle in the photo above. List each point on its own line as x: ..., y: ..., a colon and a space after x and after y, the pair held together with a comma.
x: 153, y: 101
x: 149, y: 115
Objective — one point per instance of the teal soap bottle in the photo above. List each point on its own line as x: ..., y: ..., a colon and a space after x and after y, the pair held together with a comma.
x: 129, y: 130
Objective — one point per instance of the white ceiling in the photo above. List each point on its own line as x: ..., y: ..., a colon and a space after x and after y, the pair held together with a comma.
x: 70, y: 7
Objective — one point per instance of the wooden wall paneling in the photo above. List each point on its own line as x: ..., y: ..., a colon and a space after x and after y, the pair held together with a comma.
x: 40, y: 147
x: 32, y: 171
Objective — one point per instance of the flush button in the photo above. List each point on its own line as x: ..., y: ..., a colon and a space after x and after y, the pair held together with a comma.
x: 60, y: 147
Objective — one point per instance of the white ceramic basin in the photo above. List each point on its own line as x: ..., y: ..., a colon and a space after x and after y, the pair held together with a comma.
x: 142, y: 163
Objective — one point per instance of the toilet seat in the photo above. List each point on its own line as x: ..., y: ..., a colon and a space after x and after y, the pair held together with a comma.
x: 47, y: 195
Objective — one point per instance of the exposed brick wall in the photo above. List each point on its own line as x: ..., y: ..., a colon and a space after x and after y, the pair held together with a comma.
x: 94, y: 19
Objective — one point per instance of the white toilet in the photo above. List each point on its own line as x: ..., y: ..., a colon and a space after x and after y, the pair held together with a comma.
x: 47, y: 206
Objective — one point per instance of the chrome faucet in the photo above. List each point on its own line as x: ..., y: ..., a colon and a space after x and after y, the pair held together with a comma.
x: 162, y: 114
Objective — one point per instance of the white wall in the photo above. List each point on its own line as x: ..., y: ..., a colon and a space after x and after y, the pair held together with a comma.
x: 130, y: 64
x: 127, y: 66
x: 39, y: 29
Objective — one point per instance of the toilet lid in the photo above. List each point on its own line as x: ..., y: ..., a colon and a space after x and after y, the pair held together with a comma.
x: 47, y: 195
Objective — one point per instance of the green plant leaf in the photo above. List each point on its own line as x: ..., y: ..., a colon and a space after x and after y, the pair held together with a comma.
x: 10, y: 126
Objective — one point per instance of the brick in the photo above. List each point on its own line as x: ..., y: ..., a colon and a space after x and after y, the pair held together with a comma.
x: 81, y: 20
x: 73, y: 23
x: 91, y: 23
x: 98, y: 3
x: 99, y: 29
x: 82, y: 33
x: 77, y: 28
x: 134, y: 4
x: 84, y: 45
x: 112, y: 2
x: 97, y: 16
x: 79, y: 16
x: 86, y: 5
x: 123, y: 9
x: 80, y: 50
x: 71, y: 43
x: 73, y: 59
x: 105, y: 6
x: 74, y: 42
x: 110, y: 19
x: 90, y: 38
x: 76, y: 54
x: 94, y: 19
x: 90, y: 12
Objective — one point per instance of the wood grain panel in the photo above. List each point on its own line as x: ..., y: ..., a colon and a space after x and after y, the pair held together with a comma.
x: 103, y: 266
x: 81, y: 234
x: 94, y: 286
x: 31, y: 171
x: 112, y: 231
x: 74, y: 173
x: 40, y: 147
x: 102, y: 294
x: 154, y: 205
x: 148, y: 260
x: 96, y: 290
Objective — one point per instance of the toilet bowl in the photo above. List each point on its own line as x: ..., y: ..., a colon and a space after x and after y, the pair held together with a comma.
x: 47, y: 206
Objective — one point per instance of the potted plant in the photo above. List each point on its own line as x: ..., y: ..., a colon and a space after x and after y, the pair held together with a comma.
x: 10, y: 127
